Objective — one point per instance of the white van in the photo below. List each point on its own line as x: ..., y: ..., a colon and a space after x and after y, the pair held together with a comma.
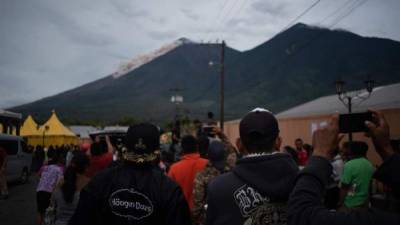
x: 18, y: 159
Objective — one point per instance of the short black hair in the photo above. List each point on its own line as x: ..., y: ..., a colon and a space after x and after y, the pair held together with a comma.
x: 356, y: 148
x: 210, y: 115
x: 51, y: 153
x: 256, y: 143
x: 298, y: 139
x: 189, y: 144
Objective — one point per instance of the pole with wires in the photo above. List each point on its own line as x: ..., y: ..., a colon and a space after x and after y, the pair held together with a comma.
x: 222, y: 95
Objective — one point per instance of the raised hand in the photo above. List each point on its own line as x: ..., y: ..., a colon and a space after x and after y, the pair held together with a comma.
x: 325, y: 140
x: 380, y: 134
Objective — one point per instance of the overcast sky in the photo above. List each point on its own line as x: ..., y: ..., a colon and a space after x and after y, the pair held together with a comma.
x: 49, y: 46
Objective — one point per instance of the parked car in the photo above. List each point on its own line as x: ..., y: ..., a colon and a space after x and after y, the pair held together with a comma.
x: 18, y: 159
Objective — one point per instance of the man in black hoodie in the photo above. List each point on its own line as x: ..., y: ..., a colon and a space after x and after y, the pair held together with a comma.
x: 257, y: 189
x: 134, y: 192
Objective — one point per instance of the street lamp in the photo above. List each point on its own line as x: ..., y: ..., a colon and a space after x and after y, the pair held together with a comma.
x: 46, y: 128
x: 369, y: 83
x: 339, y: 87
x: 347, y: 98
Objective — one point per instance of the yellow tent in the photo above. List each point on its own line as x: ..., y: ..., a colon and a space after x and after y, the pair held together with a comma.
x: 56, y: 133
x: 30, y: 127
x: 30, y: 131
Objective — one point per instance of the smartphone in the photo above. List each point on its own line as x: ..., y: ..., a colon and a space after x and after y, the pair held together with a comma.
x: 354, y: 122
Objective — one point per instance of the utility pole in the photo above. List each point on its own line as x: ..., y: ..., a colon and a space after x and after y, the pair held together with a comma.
x: 350, y: 111
x: 222, y: 71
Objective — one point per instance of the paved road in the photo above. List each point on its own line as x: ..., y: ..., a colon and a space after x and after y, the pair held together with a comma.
x: 20, y: 207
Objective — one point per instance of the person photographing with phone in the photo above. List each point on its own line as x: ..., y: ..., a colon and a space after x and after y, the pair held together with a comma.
x: 305, y: 206
x: 101, y: 155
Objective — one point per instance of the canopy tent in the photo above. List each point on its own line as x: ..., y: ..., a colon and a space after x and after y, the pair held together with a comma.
x: 55, y: 133
x: 30, y: 131
x: 30, y: 127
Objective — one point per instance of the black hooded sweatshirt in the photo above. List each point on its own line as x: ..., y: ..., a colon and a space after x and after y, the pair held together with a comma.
x: 255, y: 191
x: 130, y: 194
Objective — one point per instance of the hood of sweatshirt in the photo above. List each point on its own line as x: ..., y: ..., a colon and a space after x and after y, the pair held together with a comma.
x: 271, y: 175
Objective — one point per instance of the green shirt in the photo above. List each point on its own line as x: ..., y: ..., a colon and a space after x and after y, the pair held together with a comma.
x: 357, y: 174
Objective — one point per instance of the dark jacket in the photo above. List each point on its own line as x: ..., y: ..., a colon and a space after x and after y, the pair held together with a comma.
x: 388, y: 173
x: 305, y: 205
x: 130, y: 194
x: 256, y: 189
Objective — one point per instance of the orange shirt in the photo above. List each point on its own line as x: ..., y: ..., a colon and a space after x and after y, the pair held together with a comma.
x: 184, y: 172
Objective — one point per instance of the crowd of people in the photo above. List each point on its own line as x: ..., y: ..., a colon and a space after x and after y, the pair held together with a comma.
x: 63, y: 171
x: 205, y: 179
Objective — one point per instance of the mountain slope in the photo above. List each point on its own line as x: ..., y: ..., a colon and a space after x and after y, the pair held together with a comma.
x: 144, y: 92
x: 295, y: 66
x: 302, y: 63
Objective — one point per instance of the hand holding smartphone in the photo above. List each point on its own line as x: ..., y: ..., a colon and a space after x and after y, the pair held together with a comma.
x: 354, y: 122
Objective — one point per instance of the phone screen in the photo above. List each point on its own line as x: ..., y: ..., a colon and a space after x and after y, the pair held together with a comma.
x: 354, y: 122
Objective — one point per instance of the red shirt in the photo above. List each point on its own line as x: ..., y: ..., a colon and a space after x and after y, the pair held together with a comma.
x: 184, y: 172
x: 98, y: 163
x: 303, y: 157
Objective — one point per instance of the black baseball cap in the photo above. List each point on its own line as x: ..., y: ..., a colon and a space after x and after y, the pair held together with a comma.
x: 142, y: 142
x: 216, y: 155
x: 259, y: 122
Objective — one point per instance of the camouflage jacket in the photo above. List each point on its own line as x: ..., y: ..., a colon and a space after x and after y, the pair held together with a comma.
x: 231, y: 153
x: 200, y: 192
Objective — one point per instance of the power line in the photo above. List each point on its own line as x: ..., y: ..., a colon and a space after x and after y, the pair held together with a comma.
x: 218, y: 19
x: 317, y: 36
x: 244, y: 3
x: 219, y: 22
x: 239, y: 10
x: 216, y: 24
x: 321, y: 33
x: 349, y: 12
x: 336, y: 11
x: 230, y: 10
x: 222, y: 9
x: 308, y: 9
x: 301, y: 15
